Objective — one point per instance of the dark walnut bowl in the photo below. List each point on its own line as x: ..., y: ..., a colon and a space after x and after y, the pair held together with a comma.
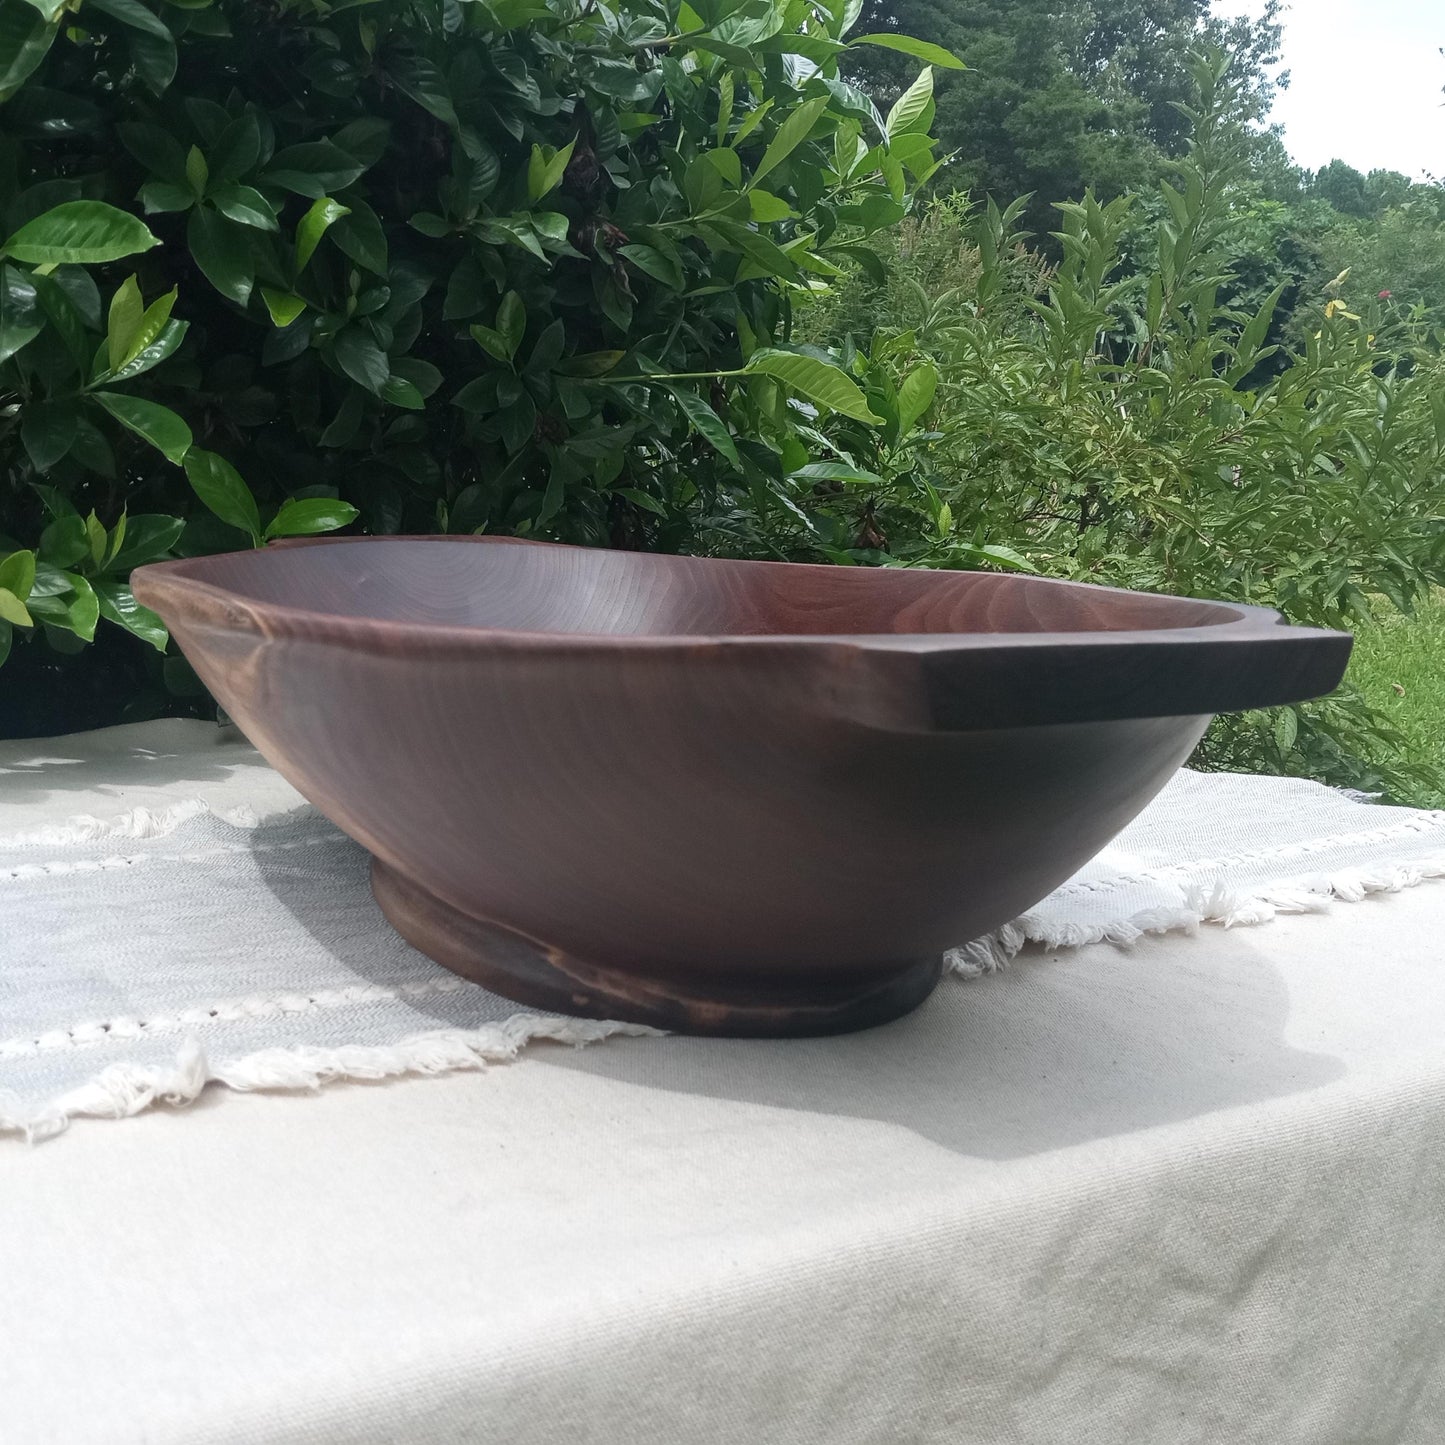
x: 715, y: 796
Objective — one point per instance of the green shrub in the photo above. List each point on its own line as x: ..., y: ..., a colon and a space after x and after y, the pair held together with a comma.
x: 427, y: 265
x: 1120, y: 422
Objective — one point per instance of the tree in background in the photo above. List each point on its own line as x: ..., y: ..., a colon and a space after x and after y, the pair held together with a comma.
x: 1397, y: 255
x: 1061, y: 95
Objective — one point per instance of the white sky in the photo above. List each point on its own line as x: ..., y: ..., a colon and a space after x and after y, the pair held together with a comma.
x: 1365, y: 82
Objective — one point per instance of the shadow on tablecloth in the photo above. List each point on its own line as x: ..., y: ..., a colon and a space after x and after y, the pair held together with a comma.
x: 1056, y: 1051
x: 1060, y: 1049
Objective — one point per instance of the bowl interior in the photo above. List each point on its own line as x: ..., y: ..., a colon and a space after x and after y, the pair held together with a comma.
x: 592, y: 591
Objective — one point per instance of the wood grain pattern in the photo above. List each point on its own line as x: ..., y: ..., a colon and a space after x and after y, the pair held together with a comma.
x: 725, y: 797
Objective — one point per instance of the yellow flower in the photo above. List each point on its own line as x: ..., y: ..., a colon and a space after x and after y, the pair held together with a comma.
x: 1337, y: 308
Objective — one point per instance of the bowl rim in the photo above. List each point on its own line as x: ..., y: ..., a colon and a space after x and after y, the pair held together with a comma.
x: 206, y: 602
x: 972, y: 680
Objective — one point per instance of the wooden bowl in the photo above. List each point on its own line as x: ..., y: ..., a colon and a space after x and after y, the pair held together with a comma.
x: 715, y: 796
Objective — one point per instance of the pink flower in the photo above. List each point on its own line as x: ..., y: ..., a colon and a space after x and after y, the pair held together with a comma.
x: 1385, y: 295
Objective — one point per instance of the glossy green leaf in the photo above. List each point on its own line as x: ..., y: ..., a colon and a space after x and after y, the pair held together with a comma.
x: 148, y: 537
x: 400, y: 392
x: 823, y: 384
x: 25, y: 37
x: 164, y: 197
x: 76, y: 609
x: 221, y: 252
x: 655, y: 263
x: 220, y: 486
x: 703, y: 186
x: 198, y: 173
x: 820, y: 49
x: 706, y: 423
x: 17, y: 573
x: 52, y: 580
x: 865, y: 258
x: 64, y: 542
x: 837, y: 472
x: 124, y: 322
x: 283, y: 305
x: 750, y: 122
x: 13, y: 611
x: 918, y: 49
x: 150, y: 355
x: 916, y: 394
x: 512, y: 319
x: 117, y: 604
x: 84, y: 609
x: 909, y: 106
x: 715, y: 45
x: 790, y: 135
x: 116, y: 540
x: 155, y: 320
x: 358, y: 355
x: 545, y: 172
x: 767, y: 254
x: 727, y: 164
x: 422, y: 374
x: 243, y: 204
x: 767, y: 207
x: 310, y: 515
x: 360, y: 236
x: 95, y: 536
x: 313, y: 225
x: 364, y: 140
x: 641, y: 499
x: 20, y: 314
x: 158, y: 425
x: 427, y: 86
x: 237, y: 149
x: 83, y: 232
x: 552, y: 227
x: 491, y: 341
x: 314, y: 168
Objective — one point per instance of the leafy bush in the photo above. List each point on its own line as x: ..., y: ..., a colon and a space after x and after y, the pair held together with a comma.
x: 1122, y: 423
x: 432, y: 265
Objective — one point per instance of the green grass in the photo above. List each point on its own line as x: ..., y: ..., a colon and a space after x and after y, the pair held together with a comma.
x: 1399, y: 665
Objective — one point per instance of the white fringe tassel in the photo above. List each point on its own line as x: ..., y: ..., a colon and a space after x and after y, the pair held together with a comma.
x: 125, y: 1089
x: 1222, y: 906
x: 137, y: 823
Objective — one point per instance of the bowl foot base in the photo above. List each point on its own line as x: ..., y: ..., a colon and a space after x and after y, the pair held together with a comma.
x: 522, y: 968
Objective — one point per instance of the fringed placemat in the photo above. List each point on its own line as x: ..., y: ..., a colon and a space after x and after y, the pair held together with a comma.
x: 144, y: 957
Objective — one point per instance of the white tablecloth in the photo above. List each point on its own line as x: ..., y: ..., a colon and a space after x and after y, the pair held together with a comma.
x: 1190, y: 1192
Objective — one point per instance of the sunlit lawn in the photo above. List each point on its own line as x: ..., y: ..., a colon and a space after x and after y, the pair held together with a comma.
x: 1399, y: 664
